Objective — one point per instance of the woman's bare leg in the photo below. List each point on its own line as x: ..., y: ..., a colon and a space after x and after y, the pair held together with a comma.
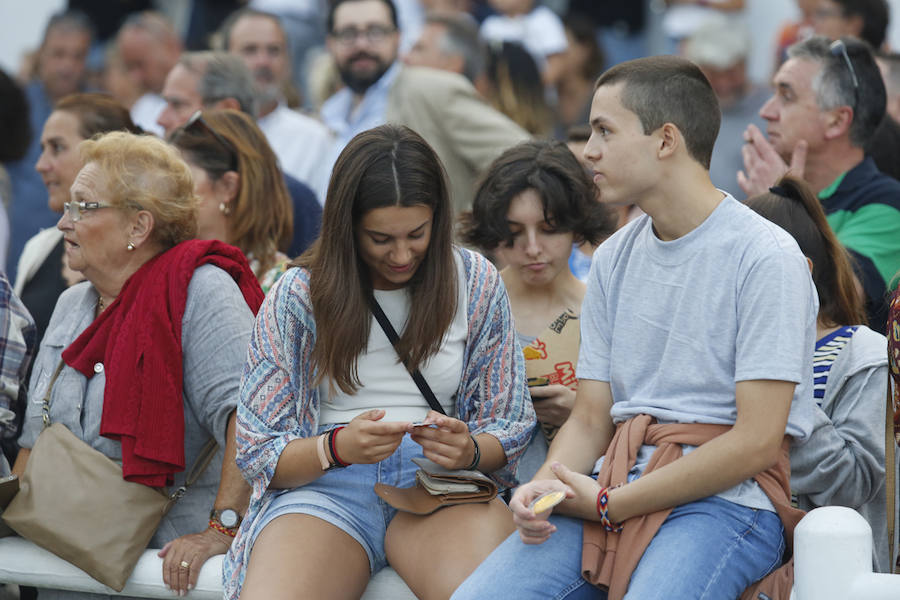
x: 301, y: 556
x: 435, y: 553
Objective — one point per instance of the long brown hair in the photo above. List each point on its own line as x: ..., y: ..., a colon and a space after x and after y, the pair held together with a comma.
x: 385, y: 166
x: 262, y: 217
x: 792, y: 206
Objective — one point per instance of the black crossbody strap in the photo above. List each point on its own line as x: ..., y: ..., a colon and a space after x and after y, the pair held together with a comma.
x: 394, y: 338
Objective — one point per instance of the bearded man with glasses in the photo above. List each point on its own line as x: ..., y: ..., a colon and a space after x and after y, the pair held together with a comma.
x: 443, y: 107
x: 829, y: 99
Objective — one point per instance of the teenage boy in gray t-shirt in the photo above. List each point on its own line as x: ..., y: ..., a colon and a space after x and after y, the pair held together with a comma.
x: 699, y: 312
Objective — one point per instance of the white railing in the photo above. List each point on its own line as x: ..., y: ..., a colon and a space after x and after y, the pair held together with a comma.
x: 833, y: 558
x: 832, y: 561
x: 23, y: 563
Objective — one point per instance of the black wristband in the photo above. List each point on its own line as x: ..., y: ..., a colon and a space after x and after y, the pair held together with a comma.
x: 475, y: 459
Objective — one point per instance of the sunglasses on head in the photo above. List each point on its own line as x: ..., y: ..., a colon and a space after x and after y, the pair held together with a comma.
x: 197, y: 120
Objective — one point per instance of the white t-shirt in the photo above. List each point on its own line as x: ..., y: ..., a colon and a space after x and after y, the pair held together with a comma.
x: 386, y: 383
x: 673, y: 326
x: 540, y: 31
x: 302, y: 145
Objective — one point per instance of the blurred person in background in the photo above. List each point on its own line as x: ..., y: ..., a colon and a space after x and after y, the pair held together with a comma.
x: 581, y: 66
x: 149, y: 47
x: 721, y: 50
x: 40, y: 271
x: 444, y: 108
x: 15, y: 131
x: 218, y: 80
x: 795, y: 31
x: 512, y: 84
x: 260, y: 41
x: 450, y: 42
x: 60, y: 70
x: 863, y: 19
x: 534, y: 26
x: 242, y: 197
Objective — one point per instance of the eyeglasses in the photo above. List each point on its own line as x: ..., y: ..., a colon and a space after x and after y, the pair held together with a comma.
x: 374, y: 34
x: 839, y: 48
x: 198, y: 120
x: 76, y: 210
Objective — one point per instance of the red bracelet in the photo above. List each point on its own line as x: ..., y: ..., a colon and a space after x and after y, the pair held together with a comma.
x: 332, y: 445
x: 221, y: 528
x: 603, y: 511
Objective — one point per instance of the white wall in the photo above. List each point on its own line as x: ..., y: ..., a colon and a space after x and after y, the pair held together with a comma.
x: 21, y: 26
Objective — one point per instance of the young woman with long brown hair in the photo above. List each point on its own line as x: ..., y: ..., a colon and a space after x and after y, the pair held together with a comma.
x: 320, y: 368
x: 842, y: 462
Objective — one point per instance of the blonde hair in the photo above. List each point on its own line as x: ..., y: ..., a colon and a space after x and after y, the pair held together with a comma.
x: 142, y: 172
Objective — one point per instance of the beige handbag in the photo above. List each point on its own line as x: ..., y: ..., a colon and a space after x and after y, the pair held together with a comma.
x: 74, y: 502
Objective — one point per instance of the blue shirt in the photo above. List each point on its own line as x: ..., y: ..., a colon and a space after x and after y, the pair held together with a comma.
x: 339, y: 114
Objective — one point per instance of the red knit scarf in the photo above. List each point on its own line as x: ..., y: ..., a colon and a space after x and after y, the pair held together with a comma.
x: 138, y: 340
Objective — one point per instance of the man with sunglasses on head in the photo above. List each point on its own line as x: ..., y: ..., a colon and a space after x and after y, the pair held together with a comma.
x: 829, y: 99
x: 442, y: 107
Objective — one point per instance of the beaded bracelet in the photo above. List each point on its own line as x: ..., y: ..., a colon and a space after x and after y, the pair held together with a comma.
x: 221, y: 528
x: 603, y: 511
x: 332, y: 445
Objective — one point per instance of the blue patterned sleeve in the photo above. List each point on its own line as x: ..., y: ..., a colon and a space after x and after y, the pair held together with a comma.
x: 278, y: 403
x: 494, y: 395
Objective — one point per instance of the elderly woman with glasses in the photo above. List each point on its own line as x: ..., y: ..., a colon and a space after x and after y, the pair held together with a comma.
x: 243, y: 199
x: 150, y: 347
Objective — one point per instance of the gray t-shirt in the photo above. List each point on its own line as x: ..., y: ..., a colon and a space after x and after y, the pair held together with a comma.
x: 673, y: 326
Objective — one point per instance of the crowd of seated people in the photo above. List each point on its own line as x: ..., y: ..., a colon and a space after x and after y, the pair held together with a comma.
x: 338, y: 291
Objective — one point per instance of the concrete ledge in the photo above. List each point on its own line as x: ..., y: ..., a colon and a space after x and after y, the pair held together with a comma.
x: 23, y: 563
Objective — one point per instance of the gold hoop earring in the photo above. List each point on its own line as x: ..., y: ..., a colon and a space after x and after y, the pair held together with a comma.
x: 130, y: 247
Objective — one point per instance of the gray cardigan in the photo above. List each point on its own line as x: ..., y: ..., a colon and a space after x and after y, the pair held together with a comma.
x: 842, y: 462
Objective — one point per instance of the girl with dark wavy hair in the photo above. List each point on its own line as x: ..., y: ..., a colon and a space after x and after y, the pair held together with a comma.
x: 320, y: 369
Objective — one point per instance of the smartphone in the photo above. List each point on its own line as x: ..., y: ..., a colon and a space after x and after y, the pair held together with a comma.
x: 538, y: 381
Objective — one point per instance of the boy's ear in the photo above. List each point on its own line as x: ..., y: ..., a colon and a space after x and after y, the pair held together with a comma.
x: 669, y: 140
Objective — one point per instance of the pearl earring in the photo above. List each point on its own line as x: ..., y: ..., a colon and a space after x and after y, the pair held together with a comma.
x: 130, y: 247
x: 224, y: 209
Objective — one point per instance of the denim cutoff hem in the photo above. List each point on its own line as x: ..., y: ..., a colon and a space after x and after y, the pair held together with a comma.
x: 346, y: 499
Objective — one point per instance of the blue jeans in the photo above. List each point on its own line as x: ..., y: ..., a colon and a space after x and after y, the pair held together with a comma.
x: 709, y: 549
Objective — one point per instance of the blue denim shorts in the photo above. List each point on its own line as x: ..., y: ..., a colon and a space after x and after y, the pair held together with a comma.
x: 346, y: 499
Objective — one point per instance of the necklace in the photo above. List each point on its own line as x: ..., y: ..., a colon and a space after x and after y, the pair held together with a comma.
x: 100, y: 304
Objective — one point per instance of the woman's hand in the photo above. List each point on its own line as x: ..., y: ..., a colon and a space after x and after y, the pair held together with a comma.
x: 192, y: 550
x: 553, y: 403
x: 448, y: 444
x: 535, y: 528
x: 367, y: 440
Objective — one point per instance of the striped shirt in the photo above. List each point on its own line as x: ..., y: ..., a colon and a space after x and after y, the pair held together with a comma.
x: 827, y: 350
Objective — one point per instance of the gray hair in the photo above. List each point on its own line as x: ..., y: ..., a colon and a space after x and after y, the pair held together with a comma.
x: 222, y: 75
x: 461, y: 39
x: 69, y: 20
x: 833, y: 84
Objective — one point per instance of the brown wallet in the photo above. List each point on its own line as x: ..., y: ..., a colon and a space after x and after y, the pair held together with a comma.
x: 448, y: 488
x: 9, y: 487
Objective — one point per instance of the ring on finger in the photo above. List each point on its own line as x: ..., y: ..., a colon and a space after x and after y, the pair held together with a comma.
x: 185, y: 564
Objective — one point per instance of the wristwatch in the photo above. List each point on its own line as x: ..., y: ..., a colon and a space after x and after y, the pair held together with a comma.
x: 226, y: 517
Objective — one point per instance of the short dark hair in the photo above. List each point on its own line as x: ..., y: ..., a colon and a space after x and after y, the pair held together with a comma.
x: 793, y: 206
x: 549, y: 168
x: 233, y: 18
x: 834, y: 87
x: 333, y: 4
x: 670, y: 89
x: 874, y: 15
